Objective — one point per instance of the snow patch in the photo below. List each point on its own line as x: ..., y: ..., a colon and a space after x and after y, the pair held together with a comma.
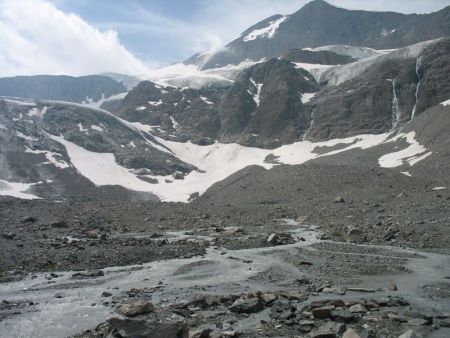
x: 174, y: 123
x: 155, y: 103
x: 439, y: 188
x: 205, y: 99
x: 17, y: 190
x: 256, y: 97
x: 39, y: 113
x: 411, y: 155
x: 306, y: 97
x: 141, y: 108
x: 25, y: 137
x: 51, y: 157
x: 406, y: 173
x: 266, y: 32
x: 446, y: 103
x: 98, y: 128
x: 2, y: 127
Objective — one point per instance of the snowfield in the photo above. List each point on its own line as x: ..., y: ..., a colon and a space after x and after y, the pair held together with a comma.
x: 266, y: 32
x: 17, y: 190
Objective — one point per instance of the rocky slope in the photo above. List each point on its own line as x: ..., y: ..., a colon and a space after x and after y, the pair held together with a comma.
x: 90, y: 88
x: 319, y: 23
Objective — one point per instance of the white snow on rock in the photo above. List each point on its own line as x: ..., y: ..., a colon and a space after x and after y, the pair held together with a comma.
x: 354, y: 52
x: 316, y: 70
x: 406, y: 173
x: 37, y: 112
x: 439, y: 188
x: 51, y: 157
x: 17, y: 190
x: 155, y: 103
x: 411, y: 155
x: 446, y: 103
x: 140, y: 108
x: 98, y: 128
x: 205, y: 99
x: 339, y: 74
x: 2, y: 127
x: 258, y: 87
x: 25, y: 137
x: 174, y: 123
x: 306, y: 97
x: 89, y: 102
x: 266, y: 32
x: 81, y: 128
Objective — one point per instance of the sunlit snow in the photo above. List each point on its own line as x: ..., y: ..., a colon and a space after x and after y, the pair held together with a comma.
x: 18, y: 190
x: 266, y: 32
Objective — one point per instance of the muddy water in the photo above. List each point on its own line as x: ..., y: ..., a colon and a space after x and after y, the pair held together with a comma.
x: 218, y: 271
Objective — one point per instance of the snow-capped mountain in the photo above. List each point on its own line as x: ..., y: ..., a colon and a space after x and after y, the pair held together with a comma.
x: 291, y: 89
x: 320, y: 24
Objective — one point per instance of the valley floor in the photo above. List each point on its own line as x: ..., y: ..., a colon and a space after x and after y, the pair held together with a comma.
x: 210, y: 265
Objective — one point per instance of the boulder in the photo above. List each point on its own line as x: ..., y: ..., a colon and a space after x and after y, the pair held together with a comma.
x: 88, y: 274
x: 251, y: 305
x: 329, y: 330
x: 136, y: 308
x: 322, y: 312
x: 409, y: 334
x: 358, y: 308
x: 350, y: 333
x: 127, y: 328
x: 280, y: 239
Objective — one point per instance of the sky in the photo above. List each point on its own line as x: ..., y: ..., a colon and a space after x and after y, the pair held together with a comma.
x: 79, y: 37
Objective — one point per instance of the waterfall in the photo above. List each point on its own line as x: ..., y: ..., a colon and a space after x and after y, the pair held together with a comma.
x: 395, y: 107
x: 418, y: 65
x: 310, y: 126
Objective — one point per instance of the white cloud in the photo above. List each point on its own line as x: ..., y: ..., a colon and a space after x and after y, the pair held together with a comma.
x: 37, y: 38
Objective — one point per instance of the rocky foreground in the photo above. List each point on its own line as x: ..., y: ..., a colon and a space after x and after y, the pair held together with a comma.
x: 219, y: 270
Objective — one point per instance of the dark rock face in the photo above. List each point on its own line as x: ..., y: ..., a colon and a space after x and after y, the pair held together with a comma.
x: 141, y: 329
x: 318, y: 57
x: 319, y: 24
x: 62, y: 88
x: 264, y: 106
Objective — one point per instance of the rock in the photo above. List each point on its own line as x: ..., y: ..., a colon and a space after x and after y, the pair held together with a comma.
x: 362, y: 290
x: 445, y: 322
x: 418, y: 322
x: 127, y: 328
x: 392, y: 286
x: 178, y: 176
x: 355, y: 231
x: 306, y: 326
x: 339, y: 199
x: 8, y: 235
x: 280, y: 239
x: 409, y: 334
x: 322, y: 312
x: 29, y: 220
x: 358, y: 308
x: 342, y: 316
x: 397, y: 318
x: 329, y: 330
x: 268, y: 298
x: 88, y: 274
x: 203, y: 333
x: 325, y: 302
x: 337, y: 291
x: 136, y: 308
x: 350, y: 333
x: 106, y: 294
x: 251, y: 305
x: 59, y: 295
x: 59, y: 224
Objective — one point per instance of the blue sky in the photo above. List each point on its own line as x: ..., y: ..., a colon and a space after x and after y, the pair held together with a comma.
x: 161, y: 31
x: 78, y: 37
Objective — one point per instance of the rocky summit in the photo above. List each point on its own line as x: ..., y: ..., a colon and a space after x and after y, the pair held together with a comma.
x: 293, y: 183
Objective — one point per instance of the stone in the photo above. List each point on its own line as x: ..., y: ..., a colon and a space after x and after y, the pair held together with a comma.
x: 8, y: 235
x: 136, y: 308
x: 59, y: 295
x: 280, y: 239
x: 325, y: 302
x: 339, y: 199
x: 362, y: 290
x: 329, y: 330
x: 59, y: 224
x: 350, y: 333
x: 445, y: 322
x: 393, y: 287
x: 88, y: 274
x: 252, y: 305
x: 322, y: 312
x: 358, y: 308
x: 409, y: 334
x: 128, y: 328
x: 342, y: 316
x: 268, y: 298
x: 29, y: 220
x: 203, y: 333
x: 418, y: 322
x: 397, y: 318
x: 106, y: 294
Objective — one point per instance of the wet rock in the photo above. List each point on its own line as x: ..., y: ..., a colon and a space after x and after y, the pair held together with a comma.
x: 409, y: 334
x: 106, y: 294
x: 350, y: 333
x: 280, y: 239
x: 322, y: 312
x: 358, y: 308
x: 136, y: 308
x: 252, y: 305
x: 88, y: 274
x: 329, y: 330
x: 326, y: 302
x: 127, y: 328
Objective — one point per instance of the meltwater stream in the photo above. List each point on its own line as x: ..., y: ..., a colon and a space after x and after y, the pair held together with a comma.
x: 218, y: 271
